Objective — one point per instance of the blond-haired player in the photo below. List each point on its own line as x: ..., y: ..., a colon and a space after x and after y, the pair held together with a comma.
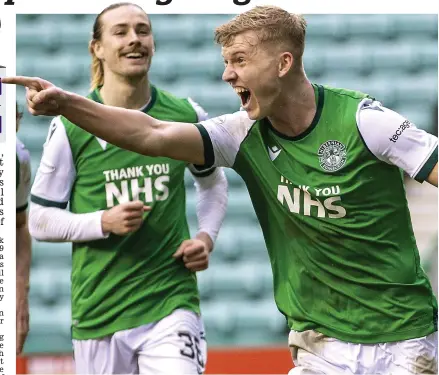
x: 324, y: 169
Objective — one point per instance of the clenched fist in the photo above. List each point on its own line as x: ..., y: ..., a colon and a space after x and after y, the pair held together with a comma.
x: 124, y: 218
x: 195, y: 252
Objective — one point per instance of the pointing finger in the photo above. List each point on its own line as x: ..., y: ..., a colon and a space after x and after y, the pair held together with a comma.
x: 30, y: 82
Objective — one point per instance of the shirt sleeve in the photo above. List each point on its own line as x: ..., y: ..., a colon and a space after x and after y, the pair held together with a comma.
x: 395, y: 140
x: 202, y: 115
x: 222, y: 138
x: 56, y: 172
x: 23, y: 176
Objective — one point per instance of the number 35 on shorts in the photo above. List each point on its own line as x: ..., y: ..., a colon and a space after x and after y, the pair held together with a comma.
x: 192, y: 348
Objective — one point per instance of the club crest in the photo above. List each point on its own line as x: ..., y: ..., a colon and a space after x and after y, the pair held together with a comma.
x: 332, y: 155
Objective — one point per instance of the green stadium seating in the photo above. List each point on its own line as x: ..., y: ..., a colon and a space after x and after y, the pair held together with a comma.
x: 324, y: 27
x: 422, y: 25
x: 368, y: 27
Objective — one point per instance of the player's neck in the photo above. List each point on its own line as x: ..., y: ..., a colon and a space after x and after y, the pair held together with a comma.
x: 121, y: 93
x: 295, y: 108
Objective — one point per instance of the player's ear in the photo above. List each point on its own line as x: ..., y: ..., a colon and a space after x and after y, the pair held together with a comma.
x: 286, y: 60
x: 96, y: 49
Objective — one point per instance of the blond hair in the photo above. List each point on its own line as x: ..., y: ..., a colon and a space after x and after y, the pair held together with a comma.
x: 97, y: 68
x: 271, y: 24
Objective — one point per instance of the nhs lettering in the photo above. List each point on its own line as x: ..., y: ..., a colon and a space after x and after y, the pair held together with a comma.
x: 144, y: 182
x: 299, y: 200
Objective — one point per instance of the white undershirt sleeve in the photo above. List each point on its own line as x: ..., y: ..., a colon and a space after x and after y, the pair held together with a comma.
x: 202, y: 115
x: 395, y: 140
x: 50, y: 194
x: 52, y: 224
x: 211, y: 190
x: 212, y: 199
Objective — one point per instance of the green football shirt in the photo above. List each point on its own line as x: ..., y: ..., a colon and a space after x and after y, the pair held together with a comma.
x: 332, y: 207
x: 122, y: 282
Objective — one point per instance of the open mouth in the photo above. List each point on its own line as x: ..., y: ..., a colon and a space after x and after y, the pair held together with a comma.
x: 135, y: 55
x: 244, y: 94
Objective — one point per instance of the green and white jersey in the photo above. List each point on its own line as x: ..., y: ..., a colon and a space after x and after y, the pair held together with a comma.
x: 122, y: 282
x: 332, y: 207
x: 23, y: 175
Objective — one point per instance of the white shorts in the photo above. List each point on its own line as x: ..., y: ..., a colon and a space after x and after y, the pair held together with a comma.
x: 174, y: 345
x: 315, y: 353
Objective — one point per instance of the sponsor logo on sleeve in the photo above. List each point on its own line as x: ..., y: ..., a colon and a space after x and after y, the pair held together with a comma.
x: 399, y: 131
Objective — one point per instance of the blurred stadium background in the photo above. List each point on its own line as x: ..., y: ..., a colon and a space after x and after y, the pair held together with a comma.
x: 392, y: 57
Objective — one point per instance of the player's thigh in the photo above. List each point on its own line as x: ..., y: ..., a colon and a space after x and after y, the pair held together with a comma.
x: 103, y: 356
x: 177, y: 346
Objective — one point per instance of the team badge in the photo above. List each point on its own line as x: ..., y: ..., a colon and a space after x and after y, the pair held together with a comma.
x: 332, y: 155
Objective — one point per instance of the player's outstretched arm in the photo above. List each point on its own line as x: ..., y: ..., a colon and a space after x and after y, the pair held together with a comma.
x: 128, y: 129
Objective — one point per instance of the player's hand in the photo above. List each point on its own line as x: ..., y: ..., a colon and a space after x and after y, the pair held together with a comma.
x: 42, y: 97
x: 195, y: 253
x: 124, y: 218
x: 22, y: 318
